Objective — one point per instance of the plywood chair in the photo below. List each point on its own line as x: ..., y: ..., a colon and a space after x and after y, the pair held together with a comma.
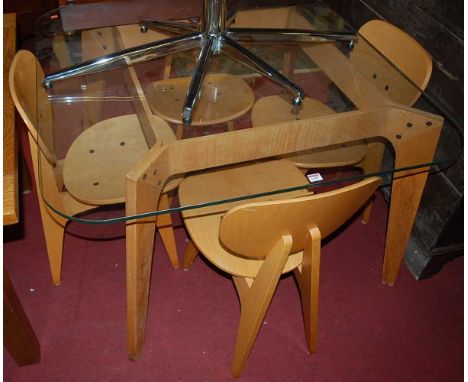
x: 403, y: 51
x: 94, y: 168
x: 396, y: 46
x: 257, y: 241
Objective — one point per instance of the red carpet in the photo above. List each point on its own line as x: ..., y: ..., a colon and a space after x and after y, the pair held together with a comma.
x: 367, y: 331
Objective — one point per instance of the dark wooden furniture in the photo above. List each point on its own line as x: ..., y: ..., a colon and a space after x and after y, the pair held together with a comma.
x: 27, y: 12
x: 18, y: 335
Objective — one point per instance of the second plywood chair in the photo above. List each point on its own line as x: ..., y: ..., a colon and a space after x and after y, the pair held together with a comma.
x: 104, y: 169
x: 396, y: 46
x: 256, y: 242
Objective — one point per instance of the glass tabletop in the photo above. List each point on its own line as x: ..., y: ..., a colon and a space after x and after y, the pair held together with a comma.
x: 102, y: 134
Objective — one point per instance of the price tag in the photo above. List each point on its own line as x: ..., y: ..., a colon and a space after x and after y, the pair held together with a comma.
x: 316, y: 177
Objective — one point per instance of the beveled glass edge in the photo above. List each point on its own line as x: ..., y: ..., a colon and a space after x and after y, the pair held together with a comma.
x: 312, y: 185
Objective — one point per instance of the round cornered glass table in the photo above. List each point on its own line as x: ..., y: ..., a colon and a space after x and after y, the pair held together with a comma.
x: 113, y: 145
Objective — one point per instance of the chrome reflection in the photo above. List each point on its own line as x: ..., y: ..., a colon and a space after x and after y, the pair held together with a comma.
x: 212, y: 36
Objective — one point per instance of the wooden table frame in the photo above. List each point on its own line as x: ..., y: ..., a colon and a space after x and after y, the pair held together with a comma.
x: 413, y: 145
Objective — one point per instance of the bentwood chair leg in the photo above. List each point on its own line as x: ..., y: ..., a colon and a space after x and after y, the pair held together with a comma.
x: 166, y: 230
x: 53, y: 225
x: 308, y: 281
x: 191, y: 252
x: 54, y: 230
x: 255, y: 302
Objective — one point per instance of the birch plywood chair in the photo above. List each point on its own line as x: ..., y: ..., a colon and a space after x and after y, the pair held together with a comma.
x: 396, y: 46
x: 104, y: 168
x: 256, y: 242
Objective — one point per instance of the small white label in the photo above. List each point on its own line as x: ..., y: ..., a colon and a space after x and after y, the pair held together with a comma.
x: 316, y: 177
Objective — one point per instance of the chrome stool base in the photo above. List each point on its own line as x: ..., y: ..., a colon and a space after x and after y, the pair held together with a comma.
x: 212, y: 37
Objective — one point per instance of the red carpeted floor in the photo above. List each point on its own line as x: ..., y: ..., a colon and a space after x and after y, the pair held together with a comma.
x: 367, y: 331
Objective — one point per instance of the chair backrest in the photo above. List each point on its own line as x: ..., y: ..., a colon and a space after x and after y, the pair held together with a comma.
x: 22, y: 80
x: 401, y: 50
x: 252, y: 229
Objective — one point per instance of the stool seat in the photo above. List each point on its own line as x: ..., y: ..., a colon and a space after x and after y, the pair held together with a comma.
x: 224, y: 97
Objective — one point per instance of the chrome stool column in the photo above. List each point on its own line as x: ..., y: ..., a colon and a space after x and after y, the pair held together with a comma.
x: 212, y: 37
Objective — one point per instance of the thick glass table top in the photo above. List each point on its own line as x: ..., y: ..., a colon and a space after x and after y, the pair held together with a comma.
x: 97, y: 131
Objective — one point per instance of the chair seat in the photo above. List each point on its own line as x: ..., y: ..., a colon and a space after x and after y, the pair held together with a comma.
x: 203, y: 223
x: 224, y: 97
x: 96, y: 163
x: 274, y: 109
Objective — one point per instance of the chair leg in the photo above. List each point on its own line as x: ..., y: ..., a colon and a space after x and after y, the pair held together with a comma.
x: 255, y: 302
x: 190, y: 254
x: 308, y: 281
x: 54, y: 230
x: 370, y: 164
x: 52, y: 224
x: 164, y: 224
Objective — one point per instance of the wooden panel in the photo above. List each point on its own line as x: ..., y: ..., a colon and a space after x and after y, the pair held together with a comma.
x: 10, y: 154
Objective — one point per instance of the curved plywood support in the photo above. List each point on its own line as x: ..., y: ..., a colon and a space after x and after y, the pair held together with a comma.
x: 413, y: 134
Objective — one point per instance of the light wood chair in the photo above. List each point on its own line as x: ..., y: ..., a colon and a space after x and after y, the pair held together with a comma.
x: 402, y: 51
x: 93, y: 171
x: 258, y: 240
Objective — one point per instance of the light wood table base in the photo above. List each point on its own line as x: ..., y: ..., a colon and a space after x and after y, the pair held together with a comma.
x: 413, y: 146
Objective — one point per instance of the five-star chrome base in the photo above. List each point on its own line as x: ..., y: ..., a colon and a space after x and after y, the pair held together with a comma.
x: 212, y: 37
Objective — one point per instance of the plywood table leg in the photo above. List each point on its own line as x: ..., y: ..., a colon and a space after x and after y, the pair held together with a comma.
x: 407, y: 190
x: 371, y: 164
x: 140, y: 241
x: 165, y: 228
x: 406, y: 195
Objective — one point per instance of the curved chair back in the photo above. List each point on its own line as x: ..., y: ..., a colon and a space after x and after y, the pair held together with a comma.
x: 251, y: 230
x: 22, y: 80
x: 401, y: 50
